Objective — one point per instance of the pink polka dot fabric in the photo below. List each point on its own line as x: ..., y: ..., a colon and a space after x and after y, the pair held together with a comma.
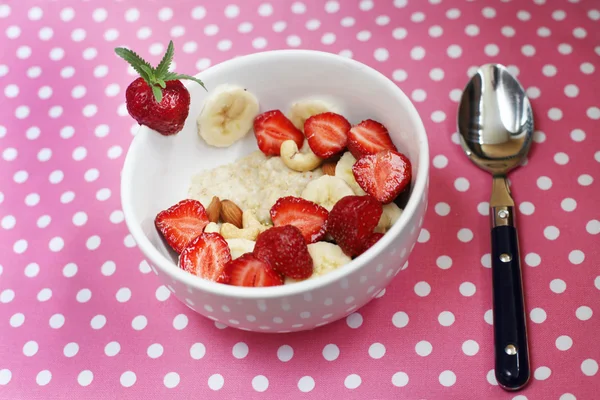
x: 81, y: 316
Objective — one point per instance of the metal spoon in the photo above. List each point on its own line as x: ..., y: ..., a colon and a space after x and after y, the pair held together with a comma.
x: 495, y: 123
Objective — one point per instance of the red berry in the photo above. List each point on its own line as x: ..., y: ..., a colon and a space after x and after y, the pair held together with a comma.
x: 284, y: 248
x: 166, y: 117
x: 327, y: 133
x: 352, y: 220
x: 248, y: 270
x: 181, y: 223
x: 370, y: 241
x: 383, y: 175
x: 272, y: 128
x: 206, y: 257
x: 307, y: 216
x: 369, y: 137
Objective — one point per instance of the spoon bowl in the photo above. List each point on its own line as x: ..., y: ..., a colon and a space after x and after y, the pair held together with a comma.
x: 495, y: 125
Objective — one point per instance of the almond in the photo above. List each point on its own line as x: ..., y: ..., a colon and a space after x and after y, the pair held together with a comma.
x: 231, y: 213
x: 329, y: 168
x: 214, y: 209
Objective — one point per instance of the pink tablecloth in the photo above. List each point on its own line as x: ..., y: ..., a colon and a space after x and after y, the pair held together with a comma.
x: 81, y: 316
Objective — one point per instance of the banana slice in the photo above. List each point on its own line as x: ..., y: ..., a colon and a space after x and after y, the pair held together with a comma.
x: 326, y: 257
x: 238, y: 247
x: 304, y: 109
x: 343, y: 169
x: 326, y: 191
x: 227, y: 116
x: 391, y: 213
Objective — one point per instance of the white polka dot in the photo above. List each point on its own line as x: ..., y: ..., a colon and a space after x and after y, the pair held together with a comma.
x: 232, y: 11
x: 190, y: 47
x: 447, y: 378
x: 470, y: 347
x: 112, y: 349
x: 329, y: 38
x: 551, y: 232
x: 22, y: 112
x: 422, y: 289
x: 564, y: 343
x: 534, y: 92
x: 354, y: 320
x: 376, y: 350
x: 467, y: 289
x: 180, y: 322
x: 568, y: 204
x: 352, y: 381
x: 123, y: 295
x: 43, y: 377
x: 128, y: 378
x: 7, y: 296
x: 544, y: 183
x: 423, y: 236
x: 71, y: 349
x: 442, y: 209
x: 285, y: 353
x: 558, y: 286
x: 559, y: 15
x: 171, y: 380
x: 399, y: 75
x: 279, y: 26
x: 593, y: 227
x: 438, y: 116
x: 585, y: 180
x: 542, y: 373
x: 79, y: 218
x: 543, y: 31
x: 20, y: 246
x: 421, y: 95
x: 401, y: 33
x: 565, y: 48
x: 259, y: 43
x: 537, y: 315
x: 8, y: 222
x: 491, y: 49
x: 577, y: 135
x: 44, y: 294
x: 461, y: 184
x: 523, y: 15
x: 155, y: 350
x: 589, y: 367
x: 332, y: 7
x: 30, y: 348
x: 417, y: 53
x: 583, y: 313
x: 56, y: 244
x: 423, y: 348
x: 56, y: 321
x: 436, y: 31
x: 533, y: 259
x: 488, y: 12
x: 446, y: 318
x: 34, y: 13
x: 347, y: 22
x: 528, y: 50
x: 465, y: 235
x: 85, y: 377
x: 306, y: 384
x: 571, y: 90
x: 526, y: 208
x: 455, y: 95
x: 224, y: 45
x: 67, y: 14
x: 382, y: 20
x: 579, y: 33
x: 18, y: 319
x: 331, y: 352
x: 84, y: 295
x: 70, y: 270
x: 400, y: 319
x: 240, y: 350
x: 93, y: 242
x: 587, y: 68
x: 98, y: 322
x: 265, y: 10
x: 260, y: 383
x: 593, y: 112
x: 216, y: 381
x: 24, y: 52
x: 363, y: 36
x: 138, y: 323
x: 197, y: 351
x: 91, y: 174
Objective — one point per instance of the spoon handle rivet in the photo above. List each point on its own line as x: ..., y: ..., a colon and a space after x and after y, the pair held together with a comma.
x: 505, y: 257
x: 503, y: 214
x: 511, y: 350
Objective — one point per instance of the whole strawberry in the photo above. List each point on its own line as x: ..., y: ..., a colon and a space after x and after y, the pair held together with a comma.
x: 157, y: 98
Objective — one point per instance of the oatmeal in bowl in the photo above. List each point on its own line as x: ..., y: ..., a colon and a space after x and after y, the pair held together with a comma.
x: 290, y: 197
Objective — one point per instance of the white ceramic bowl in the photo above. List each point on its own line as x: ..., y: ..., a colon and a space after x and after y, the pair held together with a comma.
x: 158, y: 170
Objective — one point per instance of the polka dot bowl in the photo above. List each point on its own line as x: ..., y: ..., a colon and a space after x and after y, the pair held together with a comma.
x: 158, y: 171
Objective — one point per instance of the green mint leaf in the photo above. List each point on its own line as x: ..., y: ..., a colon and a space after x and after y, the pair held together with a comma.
x: 173, y: 76
x: 161, y: 83
x: 135, y: 61
x: 157, y: 91
x: 165, y: 63
x: 148, y: 70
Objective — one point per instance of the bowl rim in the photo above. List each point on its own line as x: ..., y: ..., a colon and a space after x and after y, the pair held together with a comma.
x: 158, y: 260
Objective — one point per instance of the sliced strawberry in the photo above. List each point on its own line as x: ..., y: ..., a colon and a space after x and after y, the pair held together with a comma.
x: 352, y: 220
x: 284, y: 248
x: 369, y: 137
x: 206, y: 257
x: 370, y: 241
x: 383, y: 175
x: 307, y: 216
x: 272, y: 128
x: 247, y: 270
x: 327, y: 133
x: 181, y: 223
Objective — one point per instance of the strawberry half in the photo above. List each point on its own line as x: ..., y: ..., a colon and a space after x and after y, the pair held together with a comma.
x: 383, y: 175
x: 327, y: 133
x: 369, y: 137
x: 181, y: 223
x: 206, y: 257
x: 352, y: 221
x: 284, y: 248
x: 305, y: 215
x: 272, y: 128
x: 247, y: 270
x: 157, y: 99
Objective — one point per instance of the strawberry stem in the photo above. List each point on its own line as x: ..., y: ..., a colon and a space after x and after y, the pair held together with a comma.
x: 157, y: 77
